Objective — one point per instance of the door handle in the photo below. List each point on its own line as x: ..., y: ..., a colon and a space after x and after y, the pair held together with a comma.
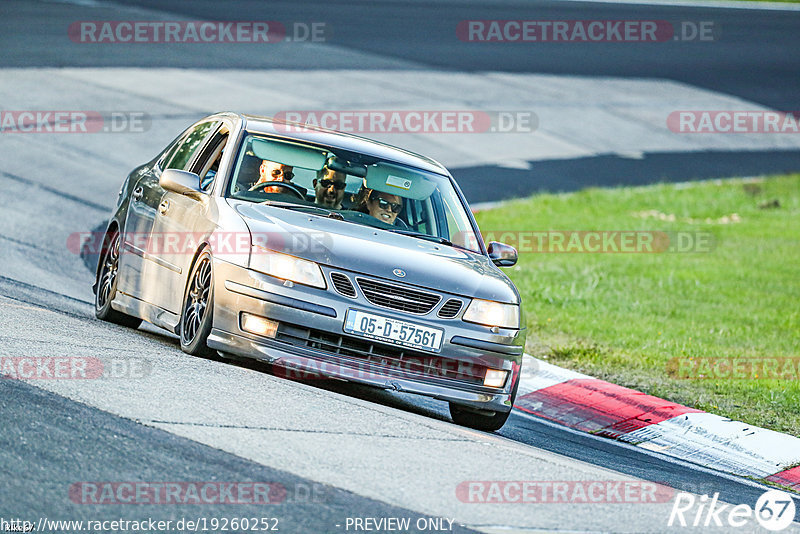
x: 163, y: 207
x: 137, y: 193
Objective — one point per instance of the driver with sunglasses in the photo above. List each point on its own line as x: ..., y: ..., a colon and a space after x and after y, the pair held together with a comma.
x: 271, y: 171
x: 329, y: 188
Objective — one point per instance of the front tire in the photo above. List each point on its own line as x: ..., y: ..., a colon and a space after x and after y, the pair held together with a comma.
x: 481, y: 421
x: 478, y: 421
x: 197, y: 312
x: 107, y: 285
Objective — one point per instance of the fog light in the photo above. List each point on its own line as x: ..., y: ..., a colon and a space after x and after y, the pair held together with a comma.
x: 495, y: 378
x: 259, y: 325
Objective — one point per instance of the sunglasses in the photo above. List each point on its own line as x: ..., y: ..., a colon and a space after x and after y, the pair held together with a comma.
x: 327, y: 182
x: 286, y: 174
x: 385, y: 205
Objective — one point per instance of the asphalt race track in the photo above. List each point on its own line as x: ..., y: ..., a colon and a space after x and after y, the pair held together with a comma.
x: 331, y: 451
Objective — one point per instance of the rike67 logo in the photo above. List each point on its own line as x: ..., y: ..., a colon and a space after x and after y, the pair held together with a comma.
x: 774, y: 510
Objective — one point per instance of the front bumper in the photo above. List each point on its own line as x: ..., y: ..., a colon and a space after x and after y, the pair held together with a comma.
x: 311, y: 342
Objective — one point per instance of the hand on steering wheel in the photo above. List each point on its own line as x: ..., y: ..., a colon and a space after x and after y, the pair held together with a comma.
x: 287, y: 185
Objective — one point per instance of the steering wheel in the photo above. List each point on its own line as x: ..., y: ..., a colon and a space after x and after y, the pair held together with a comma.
x: 287, y: 185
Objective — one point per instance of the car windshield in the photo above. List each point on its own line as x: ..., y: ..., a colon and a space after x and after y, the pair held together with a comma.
x: 360, y: 190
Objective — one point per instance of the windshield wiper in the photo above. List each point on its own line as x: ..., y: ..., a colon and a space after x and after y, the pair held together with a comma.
x: 419, y: 235
x: 331, y: 214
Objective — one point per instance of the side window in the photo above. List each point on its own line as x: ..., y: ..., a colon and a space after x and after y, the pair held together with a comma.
x: 207, y: 163
x: 419, y: 215
x: 458, y: 227
x: 188, y: 146
x: 169, y: 152
x: 440, y: 211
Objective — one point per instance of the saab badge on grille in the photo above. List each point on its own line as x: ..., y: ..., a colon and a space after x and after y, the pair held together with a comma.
x: 399, y: 272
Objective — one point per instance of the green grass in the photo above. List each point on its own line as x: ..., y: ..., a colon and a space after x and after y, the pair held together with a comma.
x: 622, y: 317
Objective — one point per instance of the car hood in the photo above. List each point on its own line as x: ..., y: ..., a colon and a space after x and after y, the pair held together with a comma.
x: 353, y: 247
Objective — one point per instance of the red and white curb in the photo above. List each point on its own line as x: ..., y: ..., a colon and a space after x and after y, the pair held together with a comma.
x: 585, y: 403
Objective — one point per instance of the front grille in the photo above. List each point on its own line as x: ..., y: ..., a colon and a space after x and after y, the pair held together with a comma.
x: 343, y: 285
x: 363, y: 356
x: 396, y: 297
x: 450, y: 309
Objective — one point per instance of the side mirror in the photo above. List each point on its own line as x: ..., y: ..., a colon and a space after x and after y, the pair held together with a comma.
x: 501, y: 254
x: 181, y: 182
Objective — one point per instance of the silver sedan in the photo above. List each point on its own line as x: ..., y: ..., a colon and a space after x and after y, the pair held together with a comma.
x: 323, y: 253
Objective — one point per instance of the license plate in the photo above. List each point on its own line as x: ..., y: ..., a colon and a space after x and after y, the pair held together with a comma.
x: 393, y: 331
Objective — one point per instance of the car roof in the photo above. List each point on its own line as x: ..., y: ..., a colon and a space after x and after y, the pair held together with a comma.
x: 338, y: 140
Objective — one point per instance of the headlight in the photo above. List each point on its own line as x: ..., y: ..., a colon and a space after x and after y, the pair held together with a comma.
x: 286, y: 267
x: 492, y: 313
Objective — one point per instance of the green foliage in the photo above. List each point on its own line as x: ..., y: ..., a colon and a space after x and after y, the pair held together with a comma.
x: 623, y: 316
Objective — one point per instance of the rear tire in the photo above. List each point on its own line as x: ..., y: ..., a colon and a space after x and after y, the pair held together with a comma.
x: 107, y: 285
x: 197, y: 312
